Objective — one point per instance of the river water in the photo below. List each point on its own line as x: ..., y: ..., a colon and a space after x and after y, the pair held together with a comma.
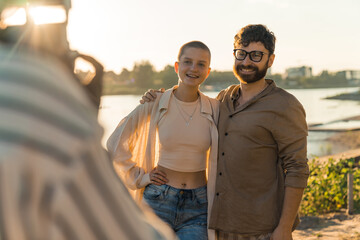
x: 318, y: 110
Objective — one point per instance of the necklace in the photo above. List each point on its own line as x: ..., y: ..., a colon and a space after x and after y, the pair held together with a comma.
x: 181, y: 111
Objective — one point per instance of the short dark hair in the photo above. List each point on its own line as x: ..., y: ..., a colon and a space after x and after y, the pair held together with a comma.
x: 255, y: 33
x: 193, y: 44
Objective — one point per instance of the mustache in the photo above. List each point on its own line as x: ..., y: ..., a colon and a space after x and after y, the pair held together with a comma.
x: 242, y: 67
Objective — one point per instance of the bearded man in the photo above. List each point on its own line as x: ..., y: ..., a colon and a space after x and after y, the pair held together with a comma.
x: 262, y: 163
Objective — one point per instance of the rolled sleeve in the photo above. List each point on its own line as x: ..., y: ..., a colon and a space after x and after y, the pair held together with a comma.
x: 291, y: 137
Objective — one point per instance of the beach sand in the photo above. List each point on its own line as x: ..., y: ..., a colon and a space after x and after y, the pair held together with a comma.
x: 332, y: 226
x: 350, y: 140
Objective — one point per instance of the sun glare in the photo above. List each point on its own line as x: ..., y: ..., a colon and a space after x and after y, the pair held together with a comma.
x: 47, y: 14
x: 13, y: 16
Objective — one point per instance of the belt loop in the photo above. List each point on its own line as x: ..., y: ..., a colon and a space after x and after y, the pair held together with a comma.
x: 193, y: 192
x: 167, y: 188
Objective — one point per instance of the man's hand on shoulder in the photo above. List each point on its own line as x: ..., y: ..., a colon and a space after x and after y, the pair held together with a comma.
x: 150, y: 95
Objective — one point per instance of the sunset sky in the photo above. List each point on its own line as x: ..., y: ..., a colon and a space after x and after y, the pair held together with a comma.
x: 322, y: 34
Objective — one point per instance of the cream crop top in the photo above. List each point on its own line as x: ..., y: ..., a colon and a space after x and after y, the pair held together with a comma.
x: 183, y: 147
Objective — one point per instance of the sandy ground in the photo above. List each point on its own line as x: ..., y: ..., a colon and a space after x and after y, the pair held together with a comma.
x: 333, y: 226
x: 350, y: 140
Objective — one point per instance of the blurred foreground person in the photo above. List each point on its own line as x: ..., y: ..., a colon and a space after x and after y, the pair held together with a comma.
x: 56, y: 180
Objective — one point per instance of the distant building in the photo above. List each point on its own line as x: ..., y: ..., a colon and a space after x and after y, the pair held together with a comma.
x: 350, y: 75
x: 297, y: 72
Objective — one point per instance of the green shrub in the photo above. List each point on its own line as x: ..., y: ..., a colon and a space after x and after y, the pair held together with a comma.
x: 327, y: 187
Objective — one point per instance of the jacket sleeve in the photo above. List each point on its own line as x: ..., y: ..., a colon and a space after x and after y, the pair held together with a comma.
x: 215, y: 104
x: 127, y: 146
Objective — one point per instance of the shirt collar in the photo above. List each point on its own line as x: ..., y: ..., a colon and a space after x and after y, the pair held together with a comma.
x: 235, y: 93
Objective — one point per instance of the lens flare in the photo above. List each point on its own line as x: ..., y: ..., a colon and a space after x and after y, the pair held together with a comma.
x: 14, y: 16
x: 47, y: 14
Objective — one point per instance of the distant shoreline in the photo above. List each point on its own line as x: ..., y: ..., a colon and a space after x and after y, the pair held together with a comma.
x: 127, y: 90
x: 354, y: 96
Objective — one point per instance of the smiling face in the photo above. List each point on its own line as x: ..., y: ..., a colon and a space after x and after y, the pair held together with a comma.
x: 248, y: 71
x: 193, y: 67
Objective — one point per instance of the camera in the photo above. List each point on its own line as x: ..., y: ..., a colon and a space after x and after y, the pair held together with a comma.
x: 41, y: 26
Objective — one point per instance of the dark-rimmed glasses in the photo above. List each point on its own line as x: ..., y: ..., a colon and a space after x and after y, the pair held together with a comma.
x: 255, y: 56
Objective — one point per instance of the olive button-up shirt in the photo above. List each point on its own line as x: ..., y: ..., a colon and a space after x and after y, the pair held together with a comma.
x: 262, y: 149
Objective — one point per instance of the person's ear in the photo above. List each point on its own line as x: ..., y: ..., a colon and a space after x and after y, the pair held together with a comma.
x: 271, y: 60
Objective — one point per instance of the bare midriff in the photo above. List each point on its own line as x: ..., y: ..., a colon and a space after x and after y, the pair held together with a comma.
x: 184, y: 180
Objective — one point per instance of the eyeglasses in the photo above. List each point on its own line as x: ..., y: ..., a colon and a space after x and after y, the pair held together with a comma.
x: 255, y: 56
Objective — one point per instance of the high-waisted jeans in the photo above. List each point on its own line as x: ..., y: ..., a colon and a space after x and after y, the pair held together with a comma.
x: 185, y: 210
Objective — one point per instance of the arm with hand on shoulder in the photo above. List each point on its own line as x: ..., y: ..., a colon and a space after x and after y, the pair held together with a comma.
x: 150, y: 95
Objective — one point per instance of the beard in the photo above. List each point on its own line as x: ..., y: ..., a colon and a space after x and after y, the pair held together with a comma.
x: 257, y: 75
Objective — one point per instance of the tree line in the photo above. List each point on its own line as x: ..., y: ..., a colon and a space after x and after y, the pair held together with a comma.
x: 144, y: 76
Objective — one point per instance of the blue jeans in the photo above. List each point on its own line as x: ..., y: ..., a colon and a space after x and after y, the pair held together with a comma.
x: 185, y: 210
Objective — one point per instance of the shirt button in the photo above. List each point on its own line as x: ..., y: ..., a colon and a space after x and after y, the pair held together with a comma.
x: 217, y: 194
x: 220, y: 173
x: 226, y: 134
x: 223, y: 153
x: 230, y: 116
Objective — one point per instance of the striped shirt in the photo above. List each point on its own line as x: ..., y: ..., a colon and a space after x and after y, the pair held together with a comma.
x: 56, y: 180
